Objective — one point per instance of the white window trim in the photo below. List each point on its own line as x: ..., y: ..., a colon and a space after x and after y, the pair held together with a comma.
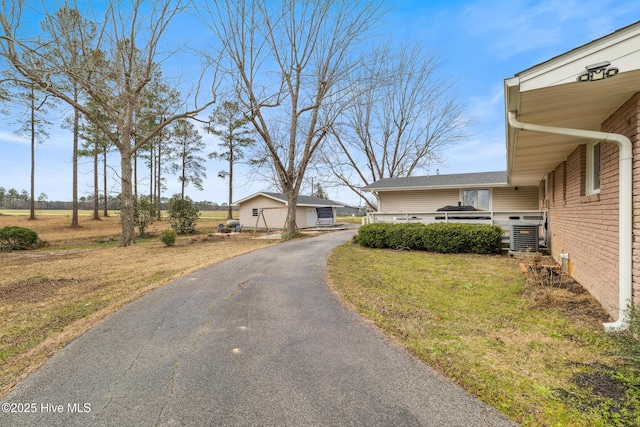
x: 462, y: 190
x: 590, y: 169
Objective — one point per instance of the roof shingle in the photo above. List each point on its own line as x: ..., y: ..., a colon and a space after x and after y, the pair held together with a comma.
x: 490, y: 179
x: 302, y: 200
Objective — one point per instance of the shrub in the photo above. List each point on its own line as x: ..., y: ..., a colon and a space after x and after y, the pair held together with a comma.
x: 374, y: 235
x: 17, y: 238
x: 408, y: 236
x: 183, y: 214
x: 437, y: 237
x: 168, y: 237
x: 143, y: 213
x: 459, y: 238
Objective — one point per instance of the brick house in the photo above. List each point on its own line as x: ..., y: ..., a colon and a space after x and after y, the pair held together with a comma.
x: 572, y: 128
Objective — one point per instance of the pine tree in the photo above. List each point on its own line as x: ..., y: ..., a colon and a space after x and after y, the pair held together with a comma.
x: 186, y: 143
x: 33, y: 124
x: 235, y: 132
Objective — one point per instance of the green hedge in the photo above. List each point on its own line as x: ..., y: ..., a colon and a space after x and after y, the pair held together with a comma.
x: 437, y: 237
x: 16, y: 238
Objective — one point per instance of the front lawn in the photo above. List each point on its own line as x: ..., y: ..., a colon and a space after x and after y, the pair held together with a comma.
x: 536, y: 353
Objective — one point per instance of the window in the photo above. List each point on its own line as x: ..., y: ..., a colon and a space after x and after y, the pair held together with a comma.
x: 254, y: 212
x: 478, y: 198
x: 593, y: 169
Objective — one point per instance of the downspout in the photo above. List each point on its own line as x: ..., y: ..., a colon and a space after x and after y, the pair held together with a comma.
x: 625, y: 220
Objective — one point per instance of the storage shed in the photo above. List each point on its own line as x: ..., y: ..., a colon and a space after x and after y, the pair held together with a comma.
x: 269, y: 210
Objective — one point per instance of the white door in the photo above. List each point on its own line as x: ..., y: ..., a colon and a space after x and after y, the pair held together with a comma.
x: 312, y: 217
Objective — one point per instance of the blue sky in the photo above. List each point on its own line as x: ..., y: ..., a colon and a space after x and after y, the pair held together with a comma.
x: 480, y: 43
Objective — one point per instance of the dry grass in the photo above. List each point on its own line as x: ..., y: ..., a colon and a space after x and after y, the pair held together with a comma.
x: 50, y: 296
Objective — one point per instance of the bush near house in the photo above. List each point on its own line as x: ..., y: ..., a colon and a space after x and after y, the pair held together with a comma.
x: 438, y: 237
x: 183, y: 215
x: 143, y: 213
x: 17, y: 238
x: 168, y: 237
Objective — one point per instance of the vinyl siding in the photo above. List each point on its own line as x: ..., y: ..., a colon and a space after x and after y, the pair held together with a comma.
x: 418, y: 200
x: 275, y: 214
x: 275, y: 217
x: 510, y: 199
x: 503, y: 199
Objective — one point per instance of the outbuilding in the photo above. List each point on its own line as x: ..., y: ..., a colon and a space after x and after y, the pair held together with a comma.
x: 269, y: 210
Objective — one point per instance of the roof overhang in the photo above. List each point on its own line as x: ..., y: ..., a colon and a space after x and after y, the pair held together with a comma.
x: 286, y: 203
x: 435, y: 187
x: 259, y: 194
x: 550, y: 95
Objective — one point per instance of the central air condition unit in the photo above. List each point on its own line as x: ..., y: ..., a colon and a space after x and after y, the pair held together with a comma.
x: 523, y: 238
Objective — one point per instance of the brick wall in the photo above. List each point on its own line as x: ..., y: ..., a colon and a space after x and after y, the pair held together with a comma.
x: 586, y: 226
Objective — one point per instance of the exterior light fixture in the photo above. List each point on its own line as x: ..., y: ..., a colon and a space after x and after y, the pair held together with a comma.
x: 599, y: 71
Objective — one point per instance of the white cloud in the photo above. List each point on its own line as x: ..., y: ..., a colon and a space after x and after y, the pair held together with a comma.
x: 12, y: 138
x: 507, y: 28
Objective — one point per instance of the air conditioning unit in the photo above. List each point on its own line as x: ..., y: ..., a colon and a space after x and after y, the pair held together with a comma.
x: 523, y: 238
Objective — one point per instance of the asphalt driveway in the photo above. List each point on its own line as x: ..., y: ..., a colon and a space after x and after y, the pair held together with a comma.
x: 259, y: 339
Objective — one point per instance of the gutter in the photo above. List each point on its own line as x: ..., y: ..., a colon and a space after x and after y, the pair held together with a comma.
x: 625, y: 220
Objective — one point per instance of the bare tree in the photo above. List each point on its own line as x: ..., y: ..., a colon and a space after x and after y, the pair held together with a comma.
x: 405, y: 116
x: 290, y: 61
x: 128, y: 41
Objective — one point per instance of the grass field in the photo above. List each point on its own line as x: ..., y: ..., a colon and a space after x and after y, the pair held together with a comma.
x: 536, y: 352
x: 218, y: 215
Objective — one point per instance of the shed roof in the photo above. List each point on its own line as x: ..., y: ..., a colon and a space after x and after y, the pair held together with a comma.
x: 458, y: 180
x: 302, y: 200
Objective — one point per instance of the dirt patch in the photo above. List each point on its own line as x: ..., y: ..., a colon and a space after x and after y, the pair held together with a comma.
x: 601, y: 384
x: 548, y: 288
x: 36, y: 289
x: 604, y: 389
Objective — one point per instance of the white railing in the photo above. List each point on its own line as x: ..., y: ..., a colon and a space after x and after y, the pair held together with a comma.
x: 502, y: 218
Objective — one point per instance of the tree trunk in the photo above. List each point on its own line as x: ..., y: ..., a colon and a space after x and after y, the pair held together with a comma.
x: 159, y: 180
x: 183, y: 172
x: 32, y: 214
x: 96, y: 189
x: 105, y: 213
x: 126, y: 197
x: 230, y: 213
x: 290, y: 225
x: 152, y: 175
x: 135, y: 175
x: 76, y: 121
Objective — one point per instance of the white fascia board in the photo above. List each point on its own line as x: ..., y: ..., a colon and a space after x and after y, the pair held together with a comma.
x: 253, y: 196
x: 619, y: 48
